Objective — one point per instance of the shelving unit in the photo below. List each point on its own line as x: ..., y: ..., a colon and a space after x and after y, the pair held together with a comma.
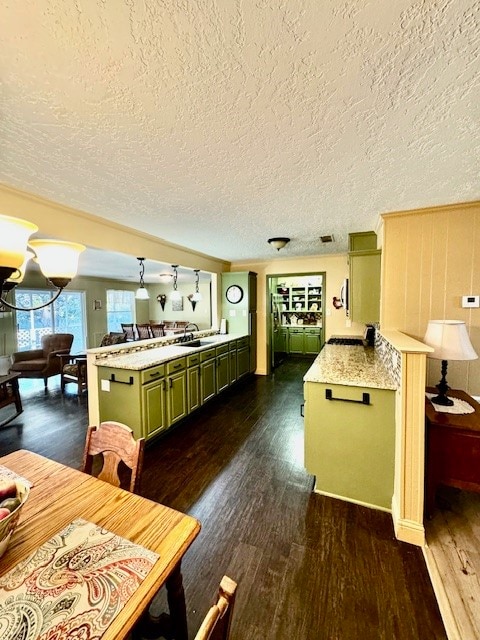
x: 303, y: 299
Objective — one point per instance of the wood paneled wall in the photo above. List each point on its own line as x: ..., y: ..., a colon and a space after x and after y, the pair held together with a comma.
x: 430, y: 259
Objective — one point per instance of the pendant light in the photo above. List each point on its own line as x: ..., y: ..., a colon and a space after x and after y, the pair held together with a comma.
x: 175, y: 294
x: 197, y: 296
x: 141, y: 293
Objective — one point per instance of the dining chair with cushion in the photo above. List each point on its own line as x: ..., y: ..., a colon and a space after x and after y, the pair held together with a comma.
x: 74, y: 367
x: 44, y: 362
x: 115, y: 444
x: 216, y: 624
x: 129, y: 331
x: 143, y: 331
x: 158, y: 329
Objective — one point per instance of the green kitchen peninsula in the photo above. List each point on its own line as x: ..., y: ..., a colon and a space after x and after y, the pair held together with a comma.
x: 153, y: 386
x: 350, y: 425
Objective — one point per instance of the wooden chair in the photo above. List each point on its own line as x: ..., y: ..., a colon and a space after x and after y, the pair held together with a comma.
x: 115, y: 442
x: 129, y: 331
x: 157, y: 329
x: 216, y: 624
x: 143, y: 331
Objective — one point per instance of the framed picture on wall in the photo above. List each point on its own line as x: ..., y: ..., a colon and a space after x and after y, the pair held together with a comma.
x: 177, y: 305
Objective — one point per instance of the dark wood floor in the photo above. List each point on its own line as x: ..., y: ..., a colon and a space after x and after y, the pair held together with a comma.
x: 308, y: 567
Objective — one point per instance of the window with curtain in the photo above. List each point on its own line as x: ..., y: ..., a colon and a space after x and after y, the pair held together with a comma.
x: 120, y: 308
x: 65, y: 315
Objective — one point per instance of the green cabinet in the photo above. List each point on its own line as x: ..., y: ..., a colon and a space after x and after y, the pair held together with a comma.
x: 349, y: 444
x: 295, y: 340
x: 153, y: 411
x: 208, y: 382
x: 193, y: 382
x: 222, y: 372
x: 312, y: 341
x: 241, y: 316
x: 176, y: 390
x: 304, y: 340
x: 364, y: 277
x: 232, y: 364
x: 243, y: 357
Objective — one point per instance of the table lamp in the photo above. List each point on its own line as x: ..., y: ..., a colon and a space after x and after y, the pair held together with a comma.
x: 450, y: 341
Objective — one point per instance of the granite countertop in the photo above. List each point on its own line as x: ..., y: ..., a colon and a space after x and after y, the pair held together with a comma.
x: 355, y: 366
x: 137, y: 360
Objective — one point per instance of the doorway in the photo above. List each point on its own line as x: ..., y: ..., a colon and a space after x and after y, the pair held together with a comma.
x: 295, y: 317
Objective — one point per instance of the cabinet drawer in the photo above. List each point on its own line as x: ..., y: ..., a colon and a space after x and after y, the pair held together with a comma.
x: 223, y: 348
x: 242, y: 343
x: 176, y: 365
x: 296, y: 330
x: 232, y: 345
x: 193, y: 360
x: 151, y: 374
x: 313, y: 330
x: 207, y: 354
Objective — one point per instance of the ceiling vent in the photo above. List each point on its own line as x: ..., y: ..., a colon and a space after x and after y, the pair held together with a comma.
x: 327, y: 239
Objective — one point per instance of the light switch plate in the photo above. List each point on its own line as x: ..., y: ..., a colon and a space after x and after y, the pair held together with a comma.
x: 470, y: 302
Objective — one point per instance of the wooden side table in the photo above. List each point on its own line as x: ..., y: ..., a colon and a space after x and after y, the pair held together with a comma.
x: 10, y: 394
x: 452, y: 449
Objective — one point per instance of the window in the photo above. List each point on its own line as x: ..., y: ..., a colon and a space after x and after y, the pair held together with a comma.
x: 120, y: 308
x: 65, y: 315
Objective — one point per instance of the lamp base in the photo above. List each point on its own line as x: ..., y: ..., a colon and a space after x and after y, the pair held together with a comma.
x: 442, y: 398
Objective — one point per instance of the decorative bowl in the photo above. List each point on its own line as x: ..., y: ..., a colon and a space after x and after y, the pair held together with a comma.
x: 9, y: 523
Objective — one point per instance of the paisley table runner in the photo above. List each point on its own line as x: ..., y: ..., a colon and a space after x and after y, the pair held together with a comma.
x: 73, y: 586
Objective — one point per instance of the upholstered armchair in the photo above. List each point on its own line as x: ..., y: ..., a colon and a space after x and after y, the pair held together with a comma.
x: 44, y: 362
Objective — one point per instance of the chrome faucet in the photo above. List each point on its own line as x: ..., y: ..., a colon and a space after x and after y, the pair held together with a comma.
x: 187, y: 326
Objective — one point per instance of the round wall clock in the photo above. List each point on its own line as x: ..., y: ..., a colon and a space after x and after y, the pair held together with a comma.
x: 234, y: 293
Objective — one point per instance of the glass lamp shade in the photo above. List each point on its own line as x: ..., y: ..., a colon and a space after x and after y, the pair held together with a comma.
x: 197, y: 296
x: 175, y: 295
x: 19, y: 274
x: 142, y: 294
x: 449, y: 339
x: 57, y: 259
x: 14, y: 235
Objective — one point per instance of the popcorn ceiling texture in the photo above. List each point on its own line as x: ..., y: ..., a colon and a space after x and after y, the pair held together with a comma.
x: 217, y: 124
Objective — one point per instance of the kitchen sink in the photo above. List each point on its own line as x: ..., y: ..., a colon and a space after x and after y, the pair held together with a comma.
x: 194, y: 343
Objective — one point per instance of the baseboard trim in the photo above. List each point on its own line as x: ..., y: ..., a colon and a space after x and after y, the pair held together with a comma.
x: 359, y: 502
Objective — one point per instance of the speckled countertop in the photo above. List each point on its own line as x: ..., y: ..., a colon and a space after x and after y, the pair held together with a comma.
x: 350, y: 365
x: 138, y: 360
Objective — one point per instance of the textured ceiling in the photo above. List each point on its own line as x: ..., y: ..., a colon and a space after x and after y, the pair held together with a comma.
x: 216, y: 124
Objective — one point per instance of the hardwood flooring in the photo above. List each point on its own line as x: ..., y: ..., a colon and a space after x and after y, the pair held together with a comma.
x: 453, y: 556
x: 308, y: 567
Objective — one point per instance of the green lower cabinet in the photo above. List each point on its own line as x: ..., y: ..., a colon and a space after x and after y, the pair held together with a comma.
x: 312, y: 341
x: 295, y: 341
x: 349, y: 445
x: 222, y: 372
x: 232, y: 364
x: 193, y: 388
x: 208, y: 386
x: 176, y: 397
x: 154, y: 415
x: 243, y: 362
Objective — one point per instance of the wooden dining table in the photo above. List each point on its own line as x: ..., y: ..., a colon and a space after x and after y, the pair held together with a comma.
x: 60, y: 495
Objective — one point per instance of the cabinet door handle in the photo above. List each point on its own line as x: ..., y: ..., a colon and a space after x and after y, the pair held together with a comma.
x: 170, y: 383
x: 112, y: 379
x: 365, y: 397
x: 302, y: 406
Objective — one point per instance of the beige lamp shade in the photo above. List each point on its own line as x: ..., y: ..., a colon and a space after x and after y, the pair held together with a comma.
x: 449, y: 339
x: 19, y: 274
x: 14, y: 235
x: 57, y: 259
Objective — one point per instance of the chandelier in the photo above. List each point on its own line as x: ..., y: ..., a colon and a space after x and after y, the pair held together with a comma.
x: 58, y: 260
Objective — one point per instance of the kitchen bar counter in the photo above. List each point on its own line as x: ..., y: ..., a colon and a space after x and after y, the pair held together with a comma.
x: 137, y: 360
x: 350, y: 365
